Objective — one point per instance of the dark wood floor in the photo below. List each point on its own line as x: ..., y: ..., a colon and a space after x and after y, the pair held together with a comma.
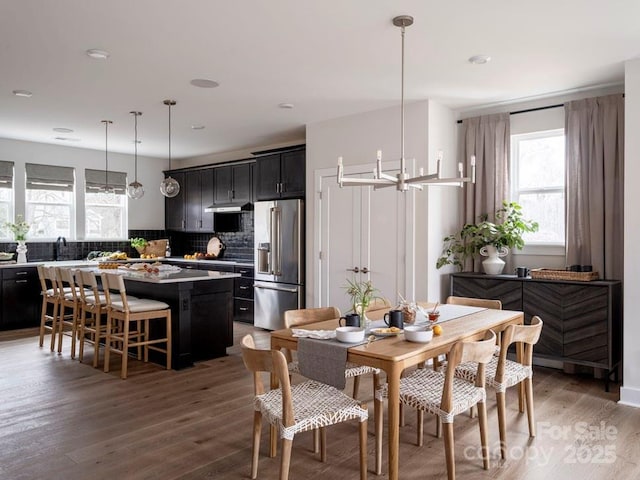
x: 60, y: 419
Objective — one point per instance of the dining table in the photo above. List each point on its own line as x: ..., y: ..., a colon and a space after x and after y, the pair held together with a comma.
x: 394, y: 354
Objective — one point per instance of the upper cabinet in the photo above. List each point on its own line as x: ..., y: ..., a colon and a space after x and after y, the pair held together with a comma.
x: 280, y: 175
x: 174, y: 208
x: 233, y: 184
x: 198, y: 196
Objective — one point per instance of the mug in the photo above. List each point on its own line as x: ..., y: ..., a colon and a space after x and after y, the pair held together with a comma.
x: 394, y: 318
x: 522, y: 272
x: 350, y: 320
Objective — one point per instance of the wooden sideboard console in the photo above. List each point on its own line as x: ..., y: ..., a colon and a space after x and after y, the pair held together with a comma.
x: 582, y: 320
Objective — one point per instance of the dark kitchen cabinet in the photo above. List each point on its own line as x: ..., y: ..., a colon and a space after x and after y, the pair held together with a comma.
x: 20, y: 298
x: 198, y: 196
x: 233, y: 184
x: 280, y: 175
x: 582, y: 320
x: 243, y: 295
x: 174, y: 208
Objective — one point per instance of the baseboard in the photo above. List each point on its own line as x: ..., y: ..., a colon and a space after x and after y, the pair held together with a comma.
x: 630, y: 397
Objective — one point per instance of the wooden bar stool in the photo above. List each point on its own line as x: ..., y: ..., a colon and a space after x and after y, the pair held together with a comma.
x: 93, y: 307
x: 50, y: 303
x: 69, y: 308
x: 135, y: 315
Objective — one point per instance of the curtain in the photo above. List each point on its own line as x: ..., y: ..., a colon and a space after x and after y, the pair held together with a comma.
x: 96, y: 180
x: 6, y: 174
x: 594, y: 129
x: 488, y: 138
x: 49, y: 177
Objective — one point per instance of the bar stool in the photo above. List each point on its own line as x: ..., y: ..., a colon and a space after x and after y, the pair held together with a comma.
x: 135, y: 313
x: 93, y: 306
x: 50, y: 303
x: 69, y: 308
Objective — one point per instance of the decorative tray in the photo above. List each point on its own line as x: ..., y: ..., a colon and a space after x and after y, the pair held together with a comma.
x: 550, y: 274
x: 386, y: 332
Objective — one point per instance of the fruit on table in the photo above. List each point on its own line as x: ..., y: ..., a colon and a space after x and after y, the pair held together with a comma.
x: 118, y: 256
x: 437, y: 330
x: 148, y: 256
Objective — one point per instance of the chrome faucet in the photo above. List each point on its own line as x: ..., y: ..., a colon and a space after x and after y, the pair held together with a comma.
x: 60, y: 242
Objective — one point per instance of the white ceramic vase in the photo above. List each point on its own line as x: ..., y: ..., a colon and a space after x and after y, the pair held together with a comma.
x: 493, y: 265
x: 21, y: 250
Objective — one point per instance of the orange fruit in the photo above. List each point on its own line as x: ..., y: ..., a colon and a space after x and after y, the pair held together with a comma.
x: 437, y: 330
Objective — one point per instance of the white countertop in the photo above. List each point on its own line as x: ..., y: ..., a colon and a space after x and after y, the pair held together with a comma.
x: 166, y: 277
x: 91, y: 263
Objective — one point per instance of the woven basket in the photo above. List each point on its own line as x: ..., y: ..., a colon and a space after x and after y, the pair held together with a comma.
x: 154, y: 247
x: 549, y: 274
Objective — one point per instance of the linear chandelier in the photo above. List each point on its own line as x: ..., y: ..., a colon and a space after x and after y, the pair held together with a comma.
x: 402, y: 180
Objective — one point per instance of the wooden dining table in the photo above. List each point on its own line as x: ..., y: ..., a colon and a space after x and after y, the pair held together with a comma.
x: 395, y: 354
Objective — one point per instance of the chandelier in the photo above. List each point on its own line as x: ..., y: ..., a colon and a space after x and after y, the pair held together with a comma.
x: 402, y: 180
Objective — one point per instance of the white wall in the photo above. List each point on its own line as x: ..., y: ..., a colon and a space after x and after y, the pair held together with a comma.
x: 356, y: 138
x: 630, y: 391
x: 146, y: 213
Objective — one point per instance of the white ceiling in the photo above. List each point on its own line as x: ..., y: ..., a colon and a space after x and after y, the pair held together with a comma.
x: 329, y: 58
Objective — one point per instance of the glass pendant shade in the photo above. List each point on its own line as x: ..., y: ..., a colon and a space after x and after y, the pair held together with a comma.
x: 170, y: 187
x: 135, y: 190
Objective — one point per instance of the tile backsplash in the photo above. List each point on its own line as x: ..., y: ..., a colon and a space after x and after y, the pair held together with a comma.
x: 239, y: 245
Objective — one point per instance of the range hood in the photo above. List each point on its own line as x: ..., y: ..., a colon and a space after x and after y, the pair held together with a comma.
x: 229, y: 208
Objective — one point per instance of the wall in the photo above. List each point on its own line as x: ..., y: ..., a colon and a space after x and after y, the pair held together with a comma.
x: 144, y: 214
x: 630, y: 391
x: 356, y: 138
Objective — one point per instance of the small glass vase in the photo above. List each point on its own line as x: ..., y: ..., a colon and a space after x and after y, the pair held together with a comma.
x: 21, y: 250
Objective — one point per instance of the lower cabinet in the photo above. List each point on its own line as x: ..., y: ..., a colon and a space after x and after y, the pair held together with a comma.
x: 582, y: 320
x: 20, y: 298
x: 243, y: 295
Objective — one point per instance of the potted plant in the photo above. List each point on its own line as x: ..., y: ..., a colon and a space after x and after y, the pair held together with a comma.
x: 487, y: 238
x: 362, y: 293
x: 20, y: 229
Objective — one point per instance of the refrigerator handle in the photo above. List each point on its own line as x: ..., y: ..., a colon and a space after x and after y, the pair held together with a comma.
x: 279, y: 289
x: 276, y: 240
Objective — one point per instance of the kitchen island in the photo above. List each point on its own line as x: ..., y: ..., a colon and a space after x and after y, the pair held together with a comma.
x: 201, y: 309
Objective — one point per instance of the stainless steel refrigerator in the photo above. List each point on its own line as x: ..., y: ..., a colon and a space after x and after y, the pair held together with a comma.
x: 279, y: 261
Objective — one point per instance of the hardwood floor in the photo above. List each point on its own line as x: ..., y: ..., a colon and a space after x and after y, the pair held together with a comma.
x: 60, y: 419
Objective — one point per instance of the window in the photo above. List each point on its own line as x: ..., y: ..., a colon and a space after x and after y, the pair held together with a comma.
x: 105, y: 210
x: 538, y: 183
x: 49, y: 200
x: 6, y: 198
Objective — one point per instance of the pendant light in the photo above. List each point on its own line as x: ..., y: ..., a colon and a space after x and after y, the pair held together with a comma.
x: 106, y: 188
x: 169, y: 186
x: 403, y: 181
x: 135, y: 190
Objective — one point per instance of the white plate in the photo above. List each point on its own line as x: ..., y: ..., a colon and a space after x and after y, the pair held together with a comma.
x: 381, y: 332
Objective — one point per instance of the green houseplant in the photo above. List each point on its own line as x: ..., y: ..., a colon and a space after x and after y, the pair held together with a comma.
x: 506, y: 233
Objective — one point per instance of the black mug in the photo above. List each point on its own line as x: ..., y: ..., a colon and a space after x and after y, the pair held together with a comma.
x: 350, y: 320
x: 522, y: 272
x: 394, y: 318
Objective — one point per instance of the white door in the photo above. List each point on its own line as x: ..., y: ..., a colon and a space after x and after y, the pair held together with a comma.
x: 362, y: 237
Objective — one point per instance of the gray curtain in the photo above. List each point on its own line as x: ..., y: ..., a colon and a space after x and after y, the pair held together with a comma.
x: 488, y: 138
x: 594, y: 129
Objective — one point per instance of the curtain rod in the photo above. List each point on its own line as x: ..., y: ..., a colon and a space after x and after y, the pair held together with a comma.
x: 531, y: 110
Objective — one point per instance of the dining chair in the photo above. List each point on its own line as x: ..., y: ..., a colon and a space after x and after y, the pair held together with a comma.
x: 296, y: 408
x: 304, y: 316
x: 444, y: 395
x: 50, y: 303
x: 475, y: 302
x: 135, y: 316
x: 502, y: 373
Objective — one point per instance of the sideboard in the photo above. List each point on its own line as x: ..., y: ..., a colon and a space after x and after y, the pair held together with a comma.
x: 582, y: 320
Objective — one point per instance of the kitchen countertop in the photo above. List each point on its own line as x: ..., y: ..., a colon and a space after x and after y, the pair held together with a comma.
x: 90, y: 263
x: 167, y: 277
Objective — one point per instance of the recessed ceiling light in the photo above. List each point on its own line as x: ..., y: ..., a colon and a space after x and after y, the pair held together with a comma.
x: 197, y: 127
x: 62, y: 130
x: 287, y: 106
x: 67, y: 139
x: 204, y: 83
x: 479, y: 59
x: 98, y: 54
x: 22, y: 93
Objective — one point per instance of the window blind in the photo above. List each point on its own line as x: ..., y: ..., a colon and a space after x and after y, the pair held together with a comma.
x: 49, y: 177
x: 6, y: 174
x: 95, y: 180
